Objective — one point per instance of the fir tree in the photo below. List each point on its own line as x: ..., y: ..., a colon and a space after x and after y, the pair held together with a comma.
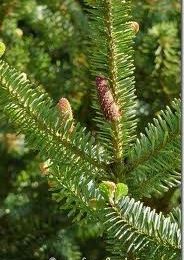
x: 102, y: 180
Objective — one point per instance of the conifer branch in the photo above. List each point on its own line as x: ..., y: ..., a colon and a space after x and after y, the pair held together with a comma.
x: 90, y: 179
x: 142, y: 230
x: 154, y: 161
x: 24, y: 104
x: 110, y: 55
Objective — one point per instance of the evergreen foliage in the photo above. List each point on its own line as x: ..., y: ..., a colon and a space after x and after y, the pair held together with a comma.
x: 157, y: 55
x: 91, y: 174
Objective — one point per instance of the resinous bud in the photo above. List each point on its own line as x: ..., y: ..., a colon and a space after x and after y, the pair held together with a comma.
x: 134, y: 26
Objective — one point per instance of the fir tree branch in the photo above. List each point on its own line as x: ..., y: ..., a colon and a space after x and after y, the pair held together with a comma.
x: 143, y: 231
x: 18, y: 99
x: 154, y: 160
x: 111, y: 57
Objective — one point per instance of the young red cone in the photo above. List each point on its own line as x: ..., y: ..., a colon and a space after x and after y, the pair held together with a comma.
x: 65, y: 108
x: 66, y: 111
x: 108, y: 105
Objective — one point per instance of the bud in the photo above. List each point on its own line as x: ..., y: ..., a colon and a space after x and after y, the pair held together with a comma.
x: 121, y: 190
x: 65, y: 108
x: 51, y: 183
x: 2, y: 48
x: 134, y: 26
x: 113, y: 192
x: 111, y: 186
x: 107, y: 189
x: 44, y: 167
x: 19, y: 32
x: 108, y: 105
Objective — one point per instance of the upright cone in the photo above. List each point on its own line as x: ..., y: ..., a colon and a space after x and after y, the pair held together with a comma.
x: 65, y: 108
x: 108, y: 105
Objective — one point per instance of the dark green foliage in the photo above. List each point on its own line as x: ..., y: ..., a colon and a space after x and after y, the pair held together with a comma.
x: 157, y: 155
x: 48, y: 41
x: 157, y: 55
x: 143, y: 231
x: 51, y: 37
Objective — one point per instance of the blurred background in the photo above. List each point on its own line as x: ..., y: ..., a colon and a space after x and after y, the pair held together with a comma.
x: 47, y: 40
